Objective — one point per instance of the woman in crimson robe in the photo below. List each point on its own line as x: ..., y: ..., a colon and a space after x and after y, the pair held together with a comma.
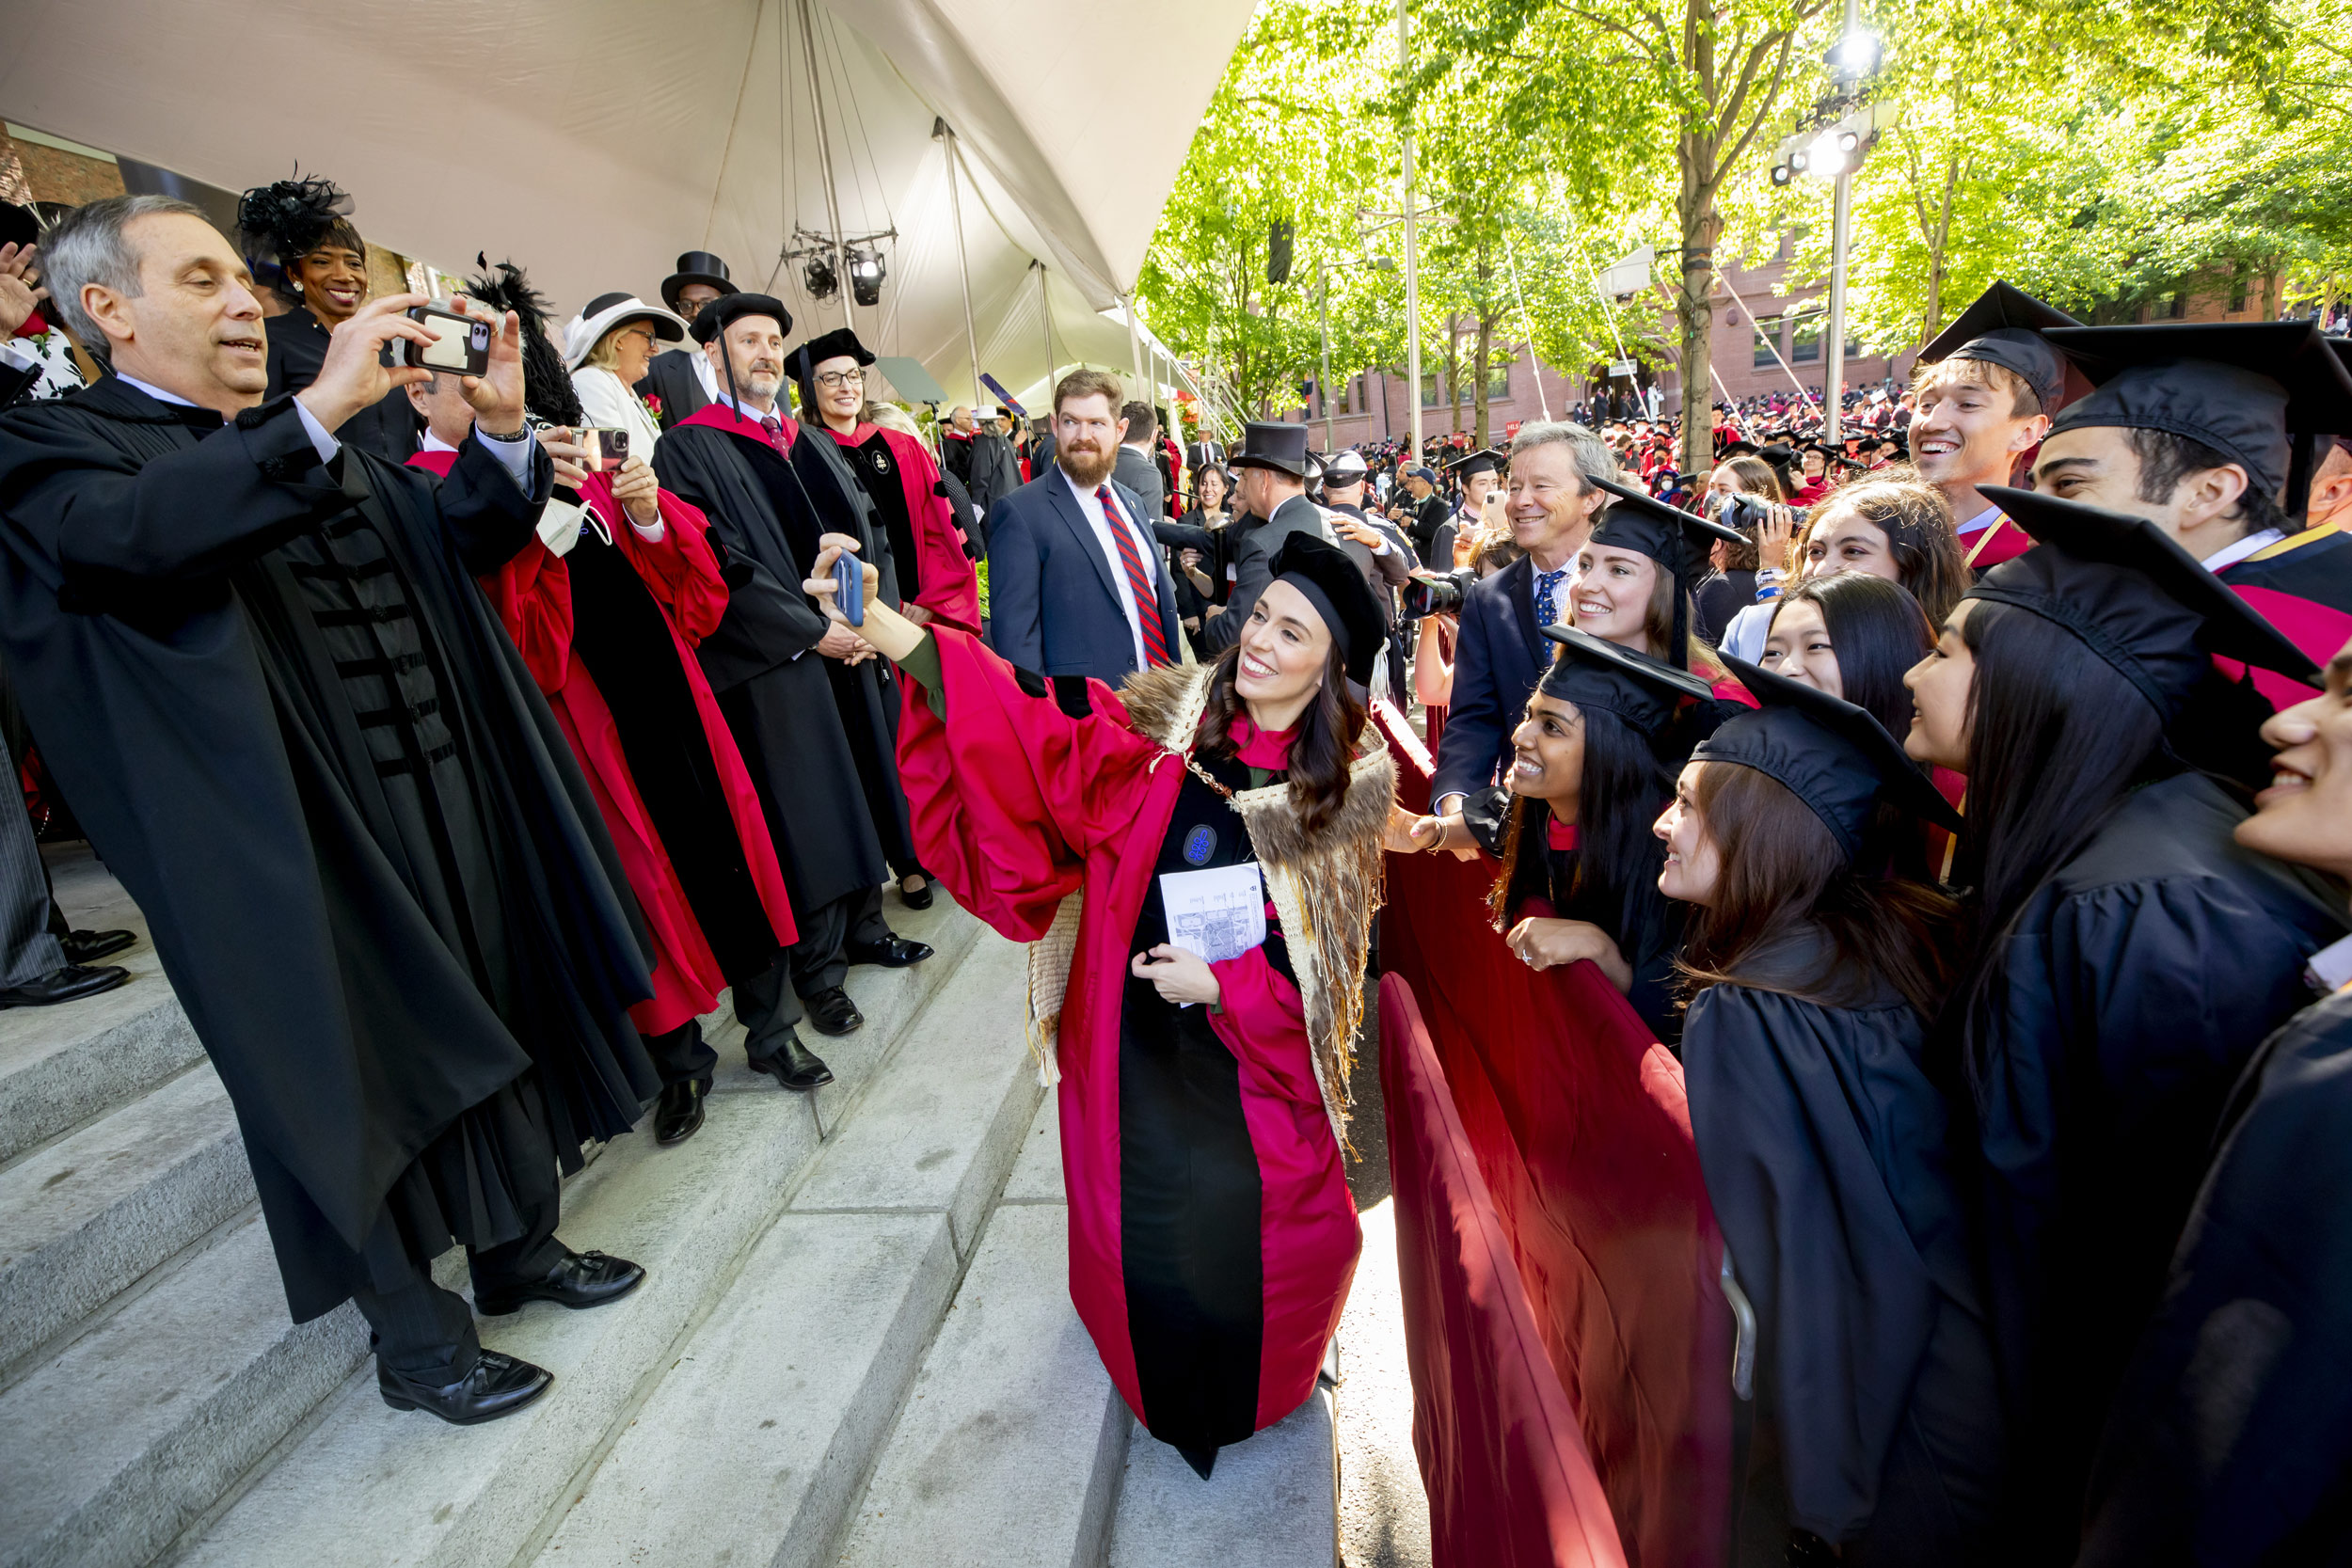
x: 1203, y: 1101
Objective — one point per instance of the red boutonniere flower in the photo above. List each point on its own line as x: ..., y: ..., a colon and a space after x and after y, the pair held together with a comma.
x: 653, y: 405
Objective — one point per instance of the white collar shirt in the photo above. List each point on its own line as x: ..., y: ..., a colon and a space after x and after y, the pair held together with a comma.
x: 1103, y: 520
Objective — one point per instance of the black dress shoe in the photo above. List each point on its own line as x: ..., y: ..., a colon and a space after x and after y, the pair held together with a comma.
x: 498, y: 1384
x: 680, y: 1114
x: 892, y: 951
x: 583, y: 1280
x: 794, y: 1065
x: 87, y: 947
x: 833, y: 1013
x: 69, y: 984
x: 919, y: 899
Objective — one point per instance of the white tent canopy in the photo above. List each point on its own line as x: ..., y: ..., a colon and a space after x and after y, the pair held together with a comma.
x: 593, y: 140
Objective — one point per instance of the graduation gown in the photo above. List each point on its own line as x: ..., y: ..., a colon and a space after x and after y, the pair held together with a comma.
x: 926, y: 549
x: 297, y: 347
x: 2303, y: 586
x: 773, y: 688
x: 1997, y: 541
x: 2125, y: 1000
x: 2231, y: 1439
x: 1826, y: 1151
x: 1211, y: 1234
x: 666, y: 774
x: 371, y: 988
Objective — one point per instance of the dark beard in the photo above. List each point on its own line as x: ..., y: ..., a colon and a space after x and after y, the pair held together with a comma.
x: 1083, y: 468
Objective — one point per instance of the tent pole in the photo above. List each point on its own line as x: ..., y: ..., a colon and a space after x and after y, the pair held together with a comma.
x: 1046, y: 317
x: 1134, y: 341
x: 941, y: 134
x: 825, y: 155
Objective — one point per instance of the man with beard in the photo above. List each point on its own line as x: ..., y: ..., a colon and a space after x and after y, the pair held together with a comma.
x: 293, y: 729
x: 739, y: 460
x: 1076, y: 585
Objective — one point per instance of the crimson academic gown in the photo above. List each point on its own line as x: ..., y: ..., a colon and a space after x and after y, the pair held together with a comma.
x: 2303, y: 586
x: 1211, y: 1234
x: 925, y: 544
x: 1999, y: 540
x: 740, y: 894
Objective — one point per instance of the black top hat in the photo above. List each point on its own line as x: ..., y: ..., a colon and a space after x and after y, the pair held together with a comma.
x: 1280, y: 447
x: 1335, y: 586
x: 696, y: 266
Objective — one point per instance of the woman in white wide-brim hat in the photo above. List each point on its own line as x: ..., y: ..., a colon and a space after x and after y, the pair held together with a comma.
x: 606, y: 348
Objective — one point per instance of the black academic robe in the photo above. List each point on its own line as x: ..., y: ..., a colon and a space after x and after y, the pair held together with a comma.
x: 186, y: 697
x: 2231, y: 1439
x: 297, y: 347
x: 773, y: 687
x: 1826, y: 1151
x: 2126, y: 999
x: 867, y: 692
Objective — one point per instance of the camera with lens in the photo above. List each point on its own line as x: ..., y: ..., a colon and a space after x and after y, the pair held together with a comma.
x: 1436, y: 594
x: 1748, y: 513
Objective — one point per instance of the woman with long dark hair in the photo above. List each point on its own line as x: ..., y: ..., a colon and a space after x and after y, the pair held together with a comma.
x: 1594, y: 762
x: 1226, y: 838
x: 1823, y: 1136
x: 2124, y: 955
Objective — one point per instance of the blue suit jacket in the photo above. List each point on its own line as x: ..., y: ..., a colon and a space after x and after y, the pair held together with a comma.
x: 1496, y: 663
x: 1052, y: 605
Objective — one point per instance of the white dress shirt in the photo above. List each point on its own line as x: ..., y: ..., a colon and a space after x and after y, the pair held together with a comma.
x: 2253, y: 544
x: 1147, y: 550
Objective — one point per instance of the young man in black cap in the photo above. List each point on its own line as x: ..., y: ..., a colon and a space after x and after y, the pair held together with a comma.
x: 1480, y: 475
x: 735, y: 459
x: 1419, y: 510
x: 1986, y: 388
x: 2127, y: 954
x: 2195, y: 428
x: 680, y: 380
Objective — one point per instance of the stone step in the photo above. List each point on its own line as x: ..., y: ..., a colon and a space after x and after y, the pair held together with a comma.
x: 1271, y: 1503
x: 369, y: 1485
x: 111, y: 1447
x: 754, y: 1448
x: 62, y: 1066
x: 1008, y: 1451
x: 86, y: 1216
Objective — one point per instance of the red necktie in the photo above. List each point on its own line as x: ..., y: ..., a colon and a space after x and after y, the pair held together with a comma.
x: 774, y: 427
x: 1147, y: 591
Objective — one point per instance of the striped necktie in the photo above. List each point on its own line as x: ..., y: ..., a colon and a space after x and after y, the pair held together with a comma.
x: 1146, y: 590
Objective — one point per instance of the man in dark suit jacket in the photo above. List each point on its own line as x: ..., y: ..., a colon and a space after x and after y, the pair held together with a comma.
x: 1270, y: 472
x: 680, y: 377
x: 1062, y: 591
x: 1135, y: 469
x: 1502, y: 650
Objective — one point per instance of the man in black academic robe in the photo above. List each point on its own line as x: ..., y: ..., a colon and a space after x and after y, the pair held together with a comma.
x: 798, y: 721
x: 373, y: 872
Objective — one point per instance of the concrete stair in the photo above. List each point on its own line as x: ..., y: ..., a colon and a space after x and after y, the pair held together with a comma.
x: 854, y: 1346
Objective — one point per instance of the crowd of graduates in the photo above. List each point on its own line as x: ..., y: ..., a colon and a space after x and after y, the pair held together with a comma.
x: 1968, y: 800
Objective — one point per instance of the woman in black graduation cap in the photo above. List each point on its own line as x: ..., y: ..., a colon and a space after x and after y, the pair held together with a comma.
x: 2260, y: 1298
x: 1634, y: 578
x: 1595, y: 759
x: 2125, y: 954
x: 1823, y: 1134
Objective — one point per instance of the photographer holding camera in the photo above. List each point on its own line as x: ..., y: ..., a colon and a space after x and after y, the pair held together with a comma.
x: 1552, y: 504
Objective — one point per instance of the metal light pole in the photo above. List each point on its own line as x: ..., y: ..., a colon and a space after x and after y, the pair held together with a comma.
x: 1412, y: 247
x: 945, y: 134
x: 1323, y: 325
x: 1841, y: 235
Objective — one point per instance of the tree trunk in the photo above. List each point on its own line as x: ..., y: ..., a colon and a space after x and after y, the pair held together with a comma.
x: 1485, y: 352
x: 1695, y: 312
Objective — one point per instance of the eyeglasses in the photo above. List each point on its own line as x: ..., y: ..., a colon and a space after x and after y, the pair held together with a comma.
x: 832, y: 381
x: 644, y: 332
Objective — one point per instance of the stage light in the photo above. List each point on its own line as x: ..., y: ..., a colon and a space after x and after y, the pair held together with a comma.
x: 866, y: 272
x: 1825, y: 158
x: 1799, y: 161
x: 1782, y: 174
x: 818, y: 275
x: 1855, y: 55
x: 1848, y: 141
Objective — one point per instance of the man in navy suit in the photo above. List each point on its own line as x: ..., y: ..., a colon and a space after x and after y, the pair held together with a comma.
x: 1075, y: 582
x: 1502, y: 650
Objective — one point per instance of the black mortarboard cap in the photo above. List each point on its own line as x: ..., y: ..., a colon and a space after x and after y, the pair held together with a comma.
x: 1335, y: 586
x: 1836, y: 757
x: 1643, y: 692
x: 2239, y: 387
x: 713, y: 318
x: 2126, y: 590
x: 1675, y: 539
x: 2004, y: 327
x: 1483, y: 461
x: 840, y: 344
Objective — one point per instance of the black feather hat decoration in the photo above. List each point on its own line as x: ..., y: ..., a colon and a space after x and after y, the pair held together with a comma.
x: 288, y: 217
x: 547, y: 392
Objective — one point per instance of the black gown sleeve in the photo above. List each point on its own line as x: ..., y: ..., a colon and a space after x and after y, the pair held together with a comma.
x: 1798, y: 1111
